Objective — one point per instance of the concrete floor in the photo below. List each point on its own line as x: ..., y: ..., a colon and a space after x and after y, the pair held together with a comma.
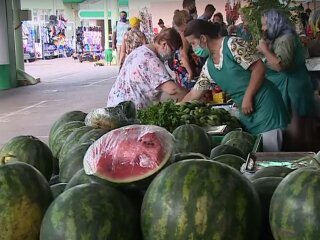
x: 66, y: 85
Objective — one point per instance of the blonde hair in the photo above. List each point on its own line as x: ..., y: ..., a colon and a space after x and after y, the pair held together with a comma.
x: 180, y: 17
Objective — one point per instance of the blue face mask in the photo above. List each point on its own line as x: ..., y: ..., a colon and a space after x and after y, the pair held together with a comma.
x: 123, y: 19
x: 201, y: 52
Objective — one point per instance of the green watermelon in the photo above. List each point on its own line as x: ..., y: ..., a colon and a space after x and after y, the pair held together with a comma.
x: 226, y: 149
x: 105, y: 118
x: 128, y: 108
x: 294, y: 208
x: 238, y: 134
x: 91, y: 211
x: 241, y: 144
x: 92, y: 136
x: 81, y: 178
x: 265, y: 188
x: 57, y: 189
x: 54, y: 180
x: 200, y: 199
x: 72, y: 162
x: 231, y: 160
x: 73, y: 140
x: 67, y: 117
x: 24, y: 198
x: 30, y: 150
x: 184, y: 156
x: 62, y: 134
x: 192, y: 138
x: 274, y: 171
x: 130, y: 155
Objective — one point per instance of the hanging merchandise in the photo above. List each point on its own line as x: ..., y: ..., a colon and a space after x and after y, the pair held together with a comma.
x: 146, y: 24
x: 88, y: 44
x: 232, y: 8
x: 28, y: 39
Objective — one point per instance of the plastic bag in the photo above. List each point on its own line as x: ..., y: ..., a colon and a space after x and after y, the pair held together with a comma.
x: 130, y: 153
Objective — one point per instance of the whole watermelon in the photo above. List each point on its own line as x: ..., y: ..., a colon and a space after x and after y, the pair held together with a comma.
x: 24, y: 198
x: 238, y: 134
x: 242, y: 144
x: 66, y: 117
x: 31, y: 150
x: 92, y: 136
x: 90, y: 211
x: 192, y: 138
x: 231, y: 160
x: 226, y: 149
x: 61, y: 135
x: 57, y: 189
x: 73, y: 140
x: 265, y: 188
x: 192, y: 199
x: 72, y: 162
x: 130, y: 155
x: 295, y: 205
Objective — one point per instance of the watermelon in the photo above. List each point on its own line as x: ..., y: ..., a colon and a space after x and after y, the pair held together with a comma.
x: 192, y: 138
x: 92, y: 136
x: 62, y: 134
x: 294, y: 206
x: 184, y: 156
x: 104, y: 118
x: 226, y: 149
x: 24, y: 198
x: 238, y: 134
x: 31, y: 150
x: 90, y: 211
x: 57, y: 189
x: 67, y: 117
x: 128, y: 108
x: 73, y: 140
x: 231, y: 160
x: 72, y: 162
x: 81, y: 178
x: 54, y: 180
x: 129, y: 154
x: 200, y: 199
x: 265, y: 188
x: 274, y: 171
x: 242, y: 144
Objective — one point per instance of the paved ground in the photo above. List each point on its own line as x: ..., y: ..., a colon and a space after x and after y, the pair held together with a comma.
x: 66, y: 85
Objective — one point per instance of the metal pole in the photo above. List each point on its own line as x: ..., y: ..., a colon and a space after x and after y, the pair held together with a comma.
x: 106, y: 26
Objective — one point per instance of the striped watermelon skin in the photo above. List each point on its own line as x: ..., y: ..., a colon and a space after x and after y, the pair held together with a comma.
x: 90, y: 211
x: 294, y: 209
x: 200, y: 200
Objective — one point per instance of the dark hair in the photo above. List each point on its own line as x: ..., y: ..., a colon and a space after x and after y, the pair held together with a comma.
x: 171, y: 36
x: 124, y: 13
x: 200, y: 27
x: 188, y: 3
x: 160, y: 21
x: 219, y: 14
x: 210, y: 8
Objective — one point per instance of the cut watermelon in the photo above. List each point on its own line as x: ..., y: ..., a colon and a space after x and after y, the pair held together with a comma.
x: 129, y: 154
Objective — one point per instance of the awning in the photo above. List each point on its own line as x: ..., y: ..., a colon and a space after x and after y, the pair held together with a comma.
x: 73, y: 1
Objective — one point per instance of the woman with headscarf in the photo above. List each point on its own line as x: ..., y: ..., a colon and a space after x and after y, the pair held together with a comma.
x: 234, y: 66
x: 144, y: 77
x: 285, y: 61
x: 132, y: 39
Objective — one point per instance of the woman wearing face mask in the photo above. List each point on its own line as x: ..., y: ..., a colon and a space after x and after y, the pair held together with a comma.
x: 286, y: 68
x: 143, y: 76
x: 233, y: 65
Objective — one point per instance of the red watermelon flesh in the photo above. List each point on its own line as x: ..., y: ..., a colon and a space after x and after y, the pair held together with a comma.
x: 129, y: 153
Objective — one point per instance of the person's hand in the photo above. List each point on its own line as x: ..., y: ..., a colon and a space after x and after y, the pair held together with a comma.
x: 262, y: 46
x: 247, y: 105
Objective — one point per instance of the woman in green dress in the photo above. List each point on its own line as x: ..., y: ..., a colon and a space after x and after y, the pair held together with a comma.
x: 286, y: 68
x: 233, y: 65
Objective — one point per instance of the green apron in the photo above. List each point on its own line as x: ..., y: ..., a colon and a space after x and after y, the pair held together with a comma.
x: 295, y: 84
x: 269, y: 110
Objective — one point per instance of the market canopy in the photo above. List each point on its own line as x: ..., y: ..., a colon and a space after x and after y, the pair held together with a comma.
x: 121, y: 2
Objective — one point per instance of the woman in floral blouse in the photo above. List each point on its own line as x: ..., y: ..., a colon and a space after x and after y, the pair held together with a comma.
x: 144, y: 77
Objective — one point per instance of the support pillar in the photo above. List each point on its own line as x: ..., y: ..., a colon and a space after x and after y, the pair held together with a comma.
x: 106, y: 26
x: 5, y: 73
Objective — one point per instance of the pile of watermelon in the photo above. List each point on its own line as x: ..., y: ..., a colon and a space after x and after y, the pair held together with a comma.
x: 103, y: 176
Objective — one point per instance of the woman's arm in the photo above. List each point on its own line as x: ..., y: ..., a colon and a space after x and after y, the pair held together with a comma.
x: 256, y: 80
x: 194, y: 94
x: 122, y: 52
x: 185, y: 57
x: 173, y: 90
x: 273, y: 60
